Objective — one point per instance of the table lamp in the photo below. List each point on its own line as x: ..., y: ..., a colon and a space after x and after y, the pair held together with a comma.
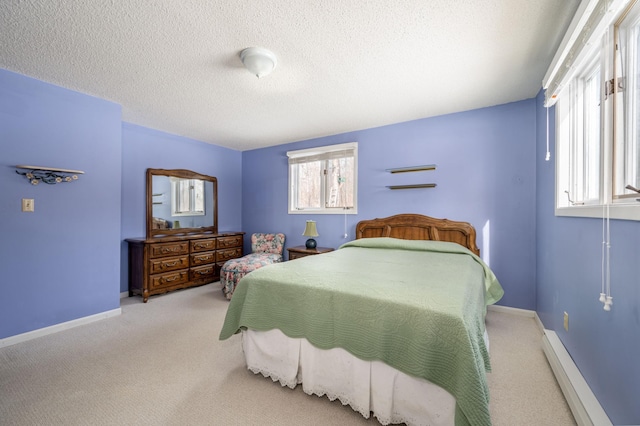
x: 310, y: 231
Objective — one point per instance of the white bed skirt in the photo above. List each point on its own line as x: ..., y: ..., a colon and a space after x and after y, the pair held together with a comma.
x: 367, y: 386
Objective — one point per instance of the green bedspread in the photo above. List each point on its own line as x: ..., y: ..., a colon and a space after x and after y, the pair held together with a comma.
x: 418, y: 306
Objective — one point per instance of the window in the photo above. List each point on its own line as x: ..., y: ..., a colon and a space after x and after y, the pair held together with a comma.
x: 187, y: 197
x: 597, y: 117
x: 627, y: 144
x: 579, y: 122
x: 579, y: 118
x: 324, y: 179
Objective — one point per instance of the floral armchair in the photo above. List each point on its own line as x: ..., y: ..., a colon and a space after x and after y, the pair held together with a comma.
x: 267, y: 243
x: 266, y: 249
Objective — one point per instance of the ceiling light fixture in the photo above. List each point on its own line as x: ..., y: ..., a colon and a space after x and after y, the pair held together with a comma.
x: 258, y: 61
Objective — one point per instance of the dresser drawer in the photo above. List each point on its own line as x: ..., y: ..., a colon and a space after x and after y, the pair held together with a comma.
x: 203, y: 258
x: 294, y: 255
x: 203, y: 245
x: 301, y: 251
x: 228, y: 242
x: 224, y: 255
x: 166, y: 264
x: 169, y: 279
x: 169, y: 249
x: 203, y: 272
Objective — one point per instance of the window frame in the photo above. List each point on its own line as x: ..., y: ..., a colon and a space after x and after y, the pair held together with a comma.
x: 175, y: 195
x: 572, y: 155
x: 570, y: 116
x: 323, y: 154
x: 627, y: 140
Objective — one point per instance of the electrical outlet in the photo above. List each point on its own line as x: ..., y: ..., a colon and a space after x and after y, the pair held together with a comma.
x: 566, y: 321
x: 27, y: 205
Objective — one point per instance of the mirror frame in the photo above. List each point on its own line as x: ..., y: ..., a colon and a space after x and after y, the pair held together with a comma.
x: 185, y: 174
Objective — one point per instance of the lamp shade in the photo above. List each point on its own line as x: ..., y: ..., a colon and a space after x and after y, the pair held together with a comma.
x: 258, y: 61
x: 310, y: 229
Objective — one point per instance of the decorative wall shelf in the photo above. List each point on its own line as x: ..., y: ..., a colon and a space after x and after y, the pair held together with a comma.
x: 418, y: 185
x: 423, y: 168
x: 412, y: 169
x: 159, y: 194
x: 48, y: 175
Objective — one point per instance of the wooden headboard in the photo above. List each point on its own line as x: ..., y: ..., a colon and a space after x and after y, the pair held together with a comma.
x: 419, y: 227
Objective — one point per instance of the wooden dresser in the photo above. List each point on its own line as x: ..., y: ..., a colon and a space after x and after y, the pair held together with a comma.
x: 162, y: 264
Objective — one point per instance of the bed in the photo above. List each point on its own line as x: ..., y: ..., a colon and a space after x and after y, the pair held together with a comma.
x: 391, y: 323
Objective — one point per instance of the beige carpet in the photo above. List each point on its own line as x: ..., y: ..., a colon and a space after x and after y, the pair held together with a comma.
x: 161, y: 363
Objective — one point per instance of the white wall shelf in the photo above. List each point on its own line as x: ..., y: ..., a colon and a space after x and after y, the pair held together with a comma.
x: 48, y: 175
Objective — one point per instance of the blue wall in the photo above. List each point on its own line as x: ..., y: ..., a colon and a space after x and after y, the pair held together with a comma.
x: 485, y: 175
x: 604, y: 345
x: 62, y: 261
x: 144, y: 148
x: 67, y: 260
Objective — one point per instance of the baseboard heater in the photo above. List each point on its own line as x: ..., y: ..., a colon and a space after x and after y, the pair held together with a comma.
x: 583, y: 403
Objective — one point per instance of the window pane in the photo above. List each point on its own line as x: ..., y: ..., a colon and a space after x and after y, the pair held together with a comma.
x: 182, y: 204
x: 592, y: 136
x: 632, y: 151
x: 627, y: 144
x: 198, y: 195
x: 309, y: 185
x: 564, y: 131
x: 340, y: 175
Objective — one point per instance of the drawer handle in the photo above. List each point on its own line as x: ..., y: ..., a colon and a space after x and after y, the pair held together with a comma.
x: 168, y: 265
x: 170, y: 280
x: 205, y: 272
x: 169, y: 249
x: 201, y: 258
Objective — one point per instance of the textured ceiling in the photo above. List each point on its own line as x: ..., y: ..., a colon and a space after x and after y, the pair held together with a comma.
x: 343, y: 65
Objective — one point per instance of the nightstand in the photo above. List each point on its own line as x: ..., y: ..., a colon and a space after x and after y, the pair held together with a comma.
x: 301, y: 251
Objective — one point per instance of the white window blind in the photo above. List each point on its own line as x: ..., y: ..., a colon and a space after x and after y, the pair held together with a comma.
x: 589, y: 24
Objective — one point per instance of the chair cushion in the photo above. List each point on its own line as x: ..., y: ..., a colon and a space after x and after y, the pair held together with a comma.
x: 251, y: 262
x: 233, y: 270
x: 267, y: 243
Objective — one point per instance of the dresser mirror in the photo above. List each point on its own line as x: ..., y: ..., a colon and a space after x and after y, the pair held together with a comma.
x: 181, y: 202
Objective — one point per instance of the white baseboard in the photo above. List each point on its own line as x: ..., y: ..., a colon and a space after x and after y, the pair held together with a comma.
x: 19, y: 338
x: 583, y: 403
x: 539, y: 323
x: 124, y: 294
x: 509, y: 310
x: 517, y: 311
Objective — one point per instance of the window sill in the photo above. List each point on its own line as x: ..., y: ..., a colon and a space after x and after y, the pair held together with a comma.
x: 625, y: 211
x: 320, y: 211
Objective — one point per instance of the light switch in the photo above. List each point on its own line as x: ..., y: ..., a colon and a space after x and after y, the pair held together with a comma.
x: 27, y: 205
